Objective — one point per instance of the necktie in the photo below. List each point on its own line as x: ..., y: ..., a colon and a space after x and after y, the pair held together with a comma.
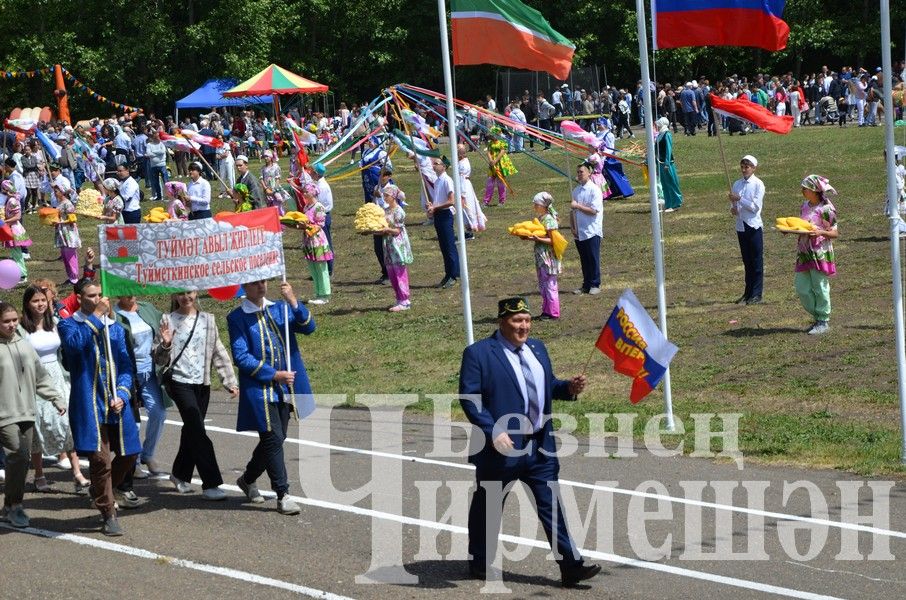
x: 534, y: 407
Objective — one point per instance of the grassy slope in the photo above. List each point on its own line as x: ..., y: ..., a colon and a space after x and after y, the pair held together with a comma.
x: 829, y: 401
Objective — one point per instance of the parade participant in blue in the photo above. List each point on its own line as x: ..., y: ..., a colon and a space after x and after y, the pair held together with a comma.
x: 666, y: 167
x: 507, y: 385
x: 100, y: 413
x: 374, y: 159
x: 613, y: 171
x: 268, y: 382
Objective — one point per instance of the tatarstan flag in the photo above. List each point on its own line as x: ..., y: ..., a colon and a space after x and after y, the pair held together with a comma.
x: 509, y: 33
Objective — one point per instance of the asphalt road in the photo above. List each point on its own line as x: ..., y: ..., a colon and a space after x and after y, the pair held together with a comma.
x: 405, y: 526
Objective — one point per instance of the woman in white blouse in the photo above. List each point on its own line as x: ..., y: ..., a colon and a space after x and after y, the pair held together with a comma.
x: 197, y: 195
x: 190, y: 348
x: 53, y: 435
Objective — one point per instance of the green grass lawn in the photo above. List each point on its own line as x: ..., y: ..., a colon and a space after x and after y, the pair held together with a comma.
x: 827, y: 402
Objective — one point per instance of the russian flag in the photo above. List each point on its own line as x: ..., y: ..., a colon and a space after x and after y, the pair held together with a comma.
x: 758, y: 23
x: 636, y: 346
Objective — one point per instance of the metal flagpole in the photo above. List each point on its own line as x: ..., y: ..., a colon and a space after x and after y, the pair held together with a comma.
x: 652, y: 190
x: 454, y: 160
x: 892, y: 207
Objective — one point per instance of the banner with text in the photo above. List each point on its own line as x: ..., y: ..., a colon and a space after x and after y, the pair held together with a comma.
x: 174, y: 256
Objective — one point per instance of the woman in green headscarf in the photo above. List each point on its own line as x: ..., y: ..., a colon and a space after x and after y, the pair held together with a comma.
x: 666, y: 168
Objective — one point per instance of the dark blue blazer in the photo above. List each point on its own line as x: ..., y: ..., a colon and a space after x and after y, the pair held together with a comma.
x: 486, y: 372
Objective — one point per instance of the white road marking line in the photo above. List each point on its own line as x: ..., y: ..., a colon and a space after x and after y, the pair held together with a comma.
x: 180, y: 562
x: 578, y: 484
x: 523, y: 541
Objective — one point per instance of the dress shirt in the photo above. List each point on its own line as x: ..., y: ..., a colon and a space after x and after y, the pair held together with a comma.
x: 751, y: 200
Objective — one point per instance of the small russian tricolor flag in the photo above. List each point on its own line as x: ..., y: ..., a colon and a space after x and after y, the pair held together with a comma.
x: 758, y: 23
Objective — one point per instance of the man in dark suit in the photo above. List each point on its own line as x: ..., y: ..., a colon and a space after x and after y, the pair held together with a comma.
x: 507, y: 385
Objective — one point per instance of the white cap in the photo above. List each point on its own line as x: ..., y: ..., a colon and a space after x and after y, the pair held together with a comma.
x: 751, y: 159
x: 243, y: 158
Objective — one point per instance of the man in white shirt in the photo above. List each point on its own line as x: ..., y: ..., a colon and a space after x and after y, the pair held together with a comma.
x: 588, y: 227
x: 129, y: 192
x: 441, y: 210
x: 517, y: 115
x: 746, y: 201
x: 198, y: 193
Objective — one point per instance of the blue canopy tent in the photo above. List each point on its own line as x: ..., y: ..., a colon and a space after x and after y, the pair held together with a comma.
x: 210, y: 95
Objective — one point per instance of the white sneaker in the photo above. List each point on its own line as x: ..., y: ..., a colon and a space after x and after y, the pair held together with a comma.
x: 286, y: 506
x: 594, y: 291
x: 214, y: 494
x: 64, y: 464
x: 2, y: 475
x: 181, y: 486
x: 819, y: 328
x: 139, y: 473
x: 318, y: 301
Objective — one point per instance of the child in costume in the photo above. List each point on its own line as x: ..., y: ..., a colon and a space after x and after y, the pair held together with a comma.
x: 270, y: 176
x: 315, y: 245
x: 12, y: 216
x: 176, y: 208
x: 499, y: 167
x: 815, y: 259
x: 546, y: 263
x: 397, y: 250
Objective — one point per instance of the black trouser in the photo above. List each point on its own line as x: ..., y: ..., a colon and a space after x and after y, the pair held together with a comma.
x: 548, y: 125
x: 379, y: 252
x: 268, y: 454
x: 690, y: 121
x: 590, y: 260
x: 195, y: 447
x: 751, y: 246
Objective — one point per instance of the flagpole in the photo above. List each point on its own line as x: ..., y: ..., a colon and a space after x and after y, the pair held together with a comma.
x: 892, y: 207
x: 454, y: 158
x: 652, y: 190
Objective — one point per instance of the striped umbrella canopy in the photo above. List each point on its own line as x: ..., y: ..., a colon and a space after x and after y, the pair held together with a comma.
x: 275, y: 80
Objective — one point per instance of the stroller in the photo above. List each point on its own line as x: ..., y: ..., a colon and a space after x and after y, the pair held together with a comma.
x: 828, y: 107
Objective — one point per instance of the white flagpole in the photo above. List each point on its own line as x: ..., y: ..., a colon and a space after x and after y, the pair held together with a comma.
x: 652, y: 190
x: 454, y: 159
x: 895, y: 266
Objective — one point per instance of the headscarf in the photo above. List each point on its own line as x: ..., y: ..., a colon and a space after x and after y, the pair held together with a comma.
x: 392, y: 190
x: 8, y: 188
x: 818, y: 184
x: 111, y: 184
x: 311, y: 189
x: 547, y: 201
x: 662, y: 124
x: 173, y: 188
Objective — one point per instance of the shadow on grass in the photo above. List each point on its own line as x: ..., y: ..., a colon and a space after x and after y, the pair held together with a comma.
x: 759, y: 331
x: 352, y: 311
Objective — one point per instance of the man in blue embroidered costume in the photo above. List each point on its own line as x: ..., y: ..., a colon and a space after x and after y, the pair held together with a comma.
x: 268, y: 383
x: 99, y: 410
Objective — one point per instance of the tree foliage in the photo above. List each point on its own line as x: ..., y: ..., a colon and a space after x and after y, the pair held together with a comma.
x: 152, y: 52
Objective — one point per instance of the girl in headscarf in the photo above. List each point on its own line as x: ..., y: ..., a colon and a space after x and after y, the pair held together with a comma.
x: 176, y: 208
x: 270, y: 177
x: 243, y: 198
x: 666, y: 169
x: 499, y: 167
x: 475, y: 217
x: 397, y: 250
x: 546, y: 263
x: 315, y: 245
x: 113, y: 202
x: 815, y: 259
x: 618, y: 185
x: 12, y: 216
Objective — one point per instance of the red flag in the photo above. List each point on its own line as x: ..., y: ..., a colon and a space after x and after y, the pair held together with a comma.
x: 301, y: 155
x: 748, y: 111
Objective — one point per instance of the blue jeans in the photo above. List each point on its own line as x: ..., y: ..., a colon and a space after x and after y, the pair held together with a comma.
x: 590, y: 258
x: 446, y: 239
x: 155, y: 175
x: 153, y: 400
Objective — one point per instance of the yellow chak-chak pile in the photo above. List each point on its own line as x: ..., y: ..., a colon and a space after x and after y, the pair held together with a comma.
x: 794, y: 223
x: 90, y: 203
x: 528, y: 228
x: 158, y: 214
x: 370, y: 217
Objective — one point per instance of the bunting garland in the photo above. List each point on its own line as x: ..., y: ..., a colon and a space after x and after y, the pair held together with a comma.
x: 75, y: 83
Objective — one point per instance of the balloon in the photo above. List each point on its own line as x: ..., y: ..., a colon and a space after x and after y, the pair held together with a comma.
x: 220, y: 293
x: 10, y: 274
